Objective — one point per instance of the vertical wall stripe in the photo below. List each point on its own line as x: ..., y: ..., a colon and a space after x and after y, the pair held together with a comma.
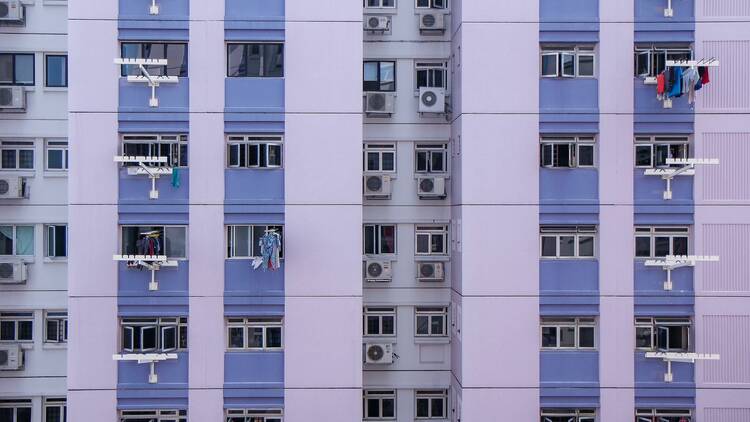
x: 732, y: 273
x: 723, y: 182
x: 729, y: 336
x: 728, y: 88
x: 726, y: 415
x: 721, y: 8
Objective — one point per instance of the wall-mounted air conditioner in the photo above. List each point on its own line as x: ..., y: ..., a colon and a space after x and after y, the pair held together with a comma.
x: 380, y: 353
x: 432, y: 100
x: 380, y: 103
x: 12, y: 187
x: 11, y: 357
x: 430, y: 271
x: 13, y: 272
x: 12, y: 11
x: 377, y: 186
x: 431, y: 23
x: 377, y: 23
x: 431, y: 187
x: 378, y: 271
x: 12, y: 98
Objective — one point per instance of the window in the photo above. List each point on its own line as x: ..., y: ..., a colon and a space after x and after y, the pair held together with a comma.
x: 431, y: 404
x: 431, y: 240
x: 57, y: 241
x: 379, y: 76
x: 57, y: 156
x: 568, y: 333
x: 255, y: 60
x: 432, y: 74
x: 567, y: 151
x: 380, y: 158
x: 243, y: 241
x: 653, y: 151
x: 370, y: 4
x: 17, y: 69
x: 175, y: 53
x: 563, y: 242
x: 153, y: 416
x: 56, y: 327
x: 55, y: 409
x: 143, y: 335
x: 432, y: 4
x: 16, y: 326
x: 17, y: 155
x: 663, y: 415
x: 651, y: 60
x: 254, y: 333
x: 169, y: 240
x: 658, y: 242
x: 568, y: 62
x: 253, y: 415
x: 16, y: 240
x: 568, y: 415
x: 56, y: 70
x: 431, y: 321
x: 379, y: 404
x: 379, y: 239
x: 663, y: 334
x: 379, y: 321
x: 15, y: 410
x: 174, y: 147
x: 431, y: 158
x: 254, y: 151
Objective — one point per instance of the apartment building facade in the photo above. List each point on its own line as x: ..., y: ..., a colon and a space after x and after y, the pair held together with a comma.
x: 471, y: 204
x: 33, y: 210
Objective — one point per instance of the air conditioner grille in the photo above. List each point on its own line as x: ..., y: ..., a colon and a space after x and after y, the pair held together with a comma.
x: 6, y: 270
x: 429, y: 98
x: 427, y: 270
x: 428, y: 20
x: 374, y: 183
x: 6, y: 95
x: 427, y: 185
x: 373, y: 22
x: 4, y: 187
x: 375, y: 352
x: 376, y: 101
x: 374, y: 269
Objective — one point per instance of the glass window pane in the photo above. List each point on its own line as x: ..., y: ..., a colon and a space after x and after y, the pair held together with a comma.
x: 567, y: 246
x: 421, y: 78
x: 274, y: 155
x: 423, y: 324
x: 679, y: 245
x: 25, y: 330
x: 549, y: 337
x: 437, y: 408
x: 148, y: 338
x: 6, y: 68
x: 373, y: 161
x: 9, y: 158
x: 586, y: 337
x: 586, y: 155
x: 585, y: 246
x: 389, y: 327
x: 567, y: 336
x: 53, y: 414
x: 24, y: 240
x: 236, y: 60
x: 53, y: 330
x: 437, y: 161
x: 549, y: 246
x: 561, y: 155
x: 549, y: 65
x: 236, y: 336
x: 661, y: 246
x: 373, y: 408
x: 23, y: 414
x: 252, y: 59
x: 57, y: 71
x: 422, y: 161
x: 423, y: 243
x: 176, y: 245
x: 55, y: 159
x: 169, y: 338
x: 369, y: 239
x: 156, y: 51
x: 643, y: 155
x: 436, y: 325
x: 568, y: 64
x: 661, y: 153
x: 273, y: 337
x: 6, y: 240
x: 643, y: 337
x: 273, y: 60
x: 585, y: 65
x: 25, y: 69
x: 389, y: 161
x: 373, y: 325
x: 389, y: 408
x: 642, y: 246
x: 7, y: 330
x: 26, y: 159
x: 423, y: 408
x: 388, y: 239
x: 255, y: 337
x: 241, y: 241
x: 61, y: 241
x: 436, y: 245
x: 370, y: 71
x: 388, y: 76
x: 176, y: 56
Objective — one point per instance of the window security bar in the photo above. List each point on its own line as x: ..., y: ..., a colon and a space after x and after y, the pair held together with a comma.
x: 152, y: 263
x: 688, y: 169
x: 152, y: 172
x: 670, y: 357
x: 152, y: 81
x: 673, y: 262
x: 149, y: 358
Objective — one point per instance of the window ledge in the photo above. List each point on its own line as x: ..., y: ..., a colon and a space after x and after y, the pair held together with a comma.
x: 379, y: 339
x: 392, y: 11
x: 55, y: 89
x: 432, y: 340
x: 432, y: 258
x: 383, y: 257
x: 19, y: 172
x: 423, y: 175
x: 56, y: 174
x: 48, y: 260
x: 54, y: 346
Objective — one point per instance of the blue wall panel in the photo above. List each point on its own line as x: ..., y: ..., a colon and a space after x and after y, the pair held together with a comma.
x: 254, y: 370
x: 173, y: 374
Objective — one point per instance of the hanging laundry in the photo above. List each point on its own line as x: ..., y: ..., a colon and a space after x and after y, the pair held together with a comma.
x: 677, y: 85
x: 660, y: 86
x: 175, y: 177
x: 699, y: 84
x: 689, y: 78
x: 270, y: 249
x: 703, y: 72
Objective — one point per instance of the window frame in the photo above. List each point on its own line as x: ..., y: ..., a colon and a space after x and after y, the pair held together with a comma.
x: 265, y: 142
x: 14, y: 57
x: 657, y: 55
x: 655, y: 141
x: 55, y: 402
x: 380, y: 4
x: 380, y: 149
x: 381, y: 312
x: 429, y: 150
x: 50, y: 242
x: 430, y: 395
x: 577, y: 323
x: 261, y: 65
x: 431, y: 67
x: 60, y: 318
x: 651, y: 415
x: 163, y: 229
x: 231, y: 236
x: 18, y: 147
x: 164, y: 70
x: 15, y: 241
x: 157, y: 415
x: 575, y: 414
x: 179, y: 149
x: 574, y: 144
x: 653, y: 232
x: 577, y: 232
x: 431, y: 230
x: 253, y: 415
x: 575, y: 52
x: 379, y: 80
x: 654, y: 324
x: 129, y: 325
x: 47, y: 72
x: 431, y: 5
x: 55, y: 145
x: 378, y: 243
x: 380, y: 395
x: 249, y: 323
x: 16, y: 404
x: 431, y: 312
x: 17, y: 318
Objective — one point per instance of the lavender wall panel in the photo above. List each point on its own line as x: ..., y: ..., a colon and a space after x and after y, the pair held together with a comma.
x: 729, y: 89
x: 729, y: 336
x: 731, y: 242
x: 724, y: 8
x: 723, y: 183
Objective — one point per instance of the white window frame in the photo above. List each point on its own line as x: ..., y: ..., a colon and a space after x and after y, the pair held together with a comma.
x: 18, y: 146
x: 15, y: 239
x: 380, y: 396
x: 16, y: 404
x: 17, y: 318
x: 652, y: 232
x: 52, y: 402
x: 60, y: 333
x: 431, y: 395
x: 574, y: 150
x: 431, y: 67
x: 653, y: 51
x: 50, y: 232
x: 254, y: 415
x: 250, y: 323
x: 574, y: 415
x: 577, y: 232
x: 655, y: 324
x: 559, y: 323
x: 654, y: 142
x: 576, y: 52
x: 431, y: 312
x: 380, y: 312
x: 380, y: 150
x: 260, y: 142
x: 380, y: 5
x: 378, y: 239
x: 155, y: 140
x: 651, y: 415
x: 432, y: 4
x: 253, y: 249
x: 56, y: 145
x: 429, y: 150
x: 431, y: 231
x: 162, y: 415
x: 159, y: 325
x: 163, y: 239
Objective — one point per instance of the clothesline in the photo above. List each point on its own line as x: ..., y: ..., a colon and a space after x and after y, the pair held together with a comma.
x: 712, y: 62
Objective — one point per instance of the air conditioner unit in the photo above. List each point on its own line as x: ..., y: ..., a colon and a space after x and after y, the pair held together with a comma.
x: 377, y: 186
x: 11, y: 357
x: 12, y: 98
x: 11, y: 11
x: 431, y: 187
x: 378, y: 271
x: 12, y: 187
x: 382, y: 103
x: 430, y: 271
x: 374, y: 23
x: 13, y: 272
x: 431, y: 100
x: 381, y: 353
x: 432, y: 22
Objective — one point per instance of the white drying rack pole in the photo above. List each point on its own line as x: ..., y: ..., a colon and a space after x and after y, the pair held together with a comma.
x: 149, y: 358
x: 673, y: 262
x: 670, y: 357
x: 152, y: 81
x: 152, y: 262
x: 152, y: 172
x: 687, y: 169
x: 712, y: 62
